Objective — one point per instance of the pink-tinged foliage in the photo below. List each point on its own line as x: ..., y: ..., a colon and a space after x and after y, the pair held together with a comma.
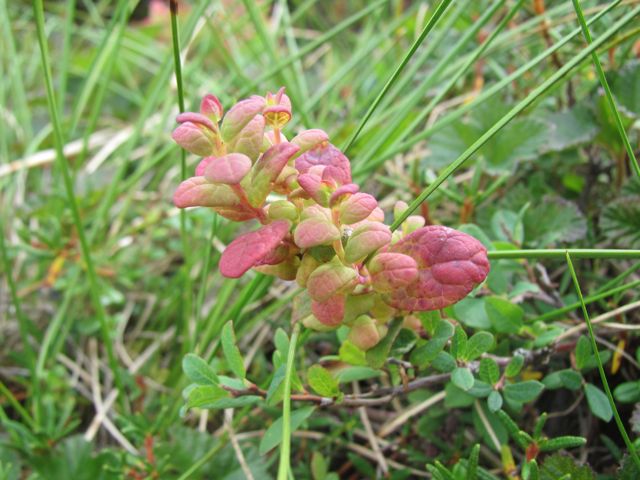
x: 240, y: 115
x: 202, y: 166
x: 250, y: 139
x: 266, y: 170
x: 315, y: 231
x: 308, y: 139
x: 328, y: 156
x: 211, y: 107
x: 252, y: 249
x: 195, y: 139
x: 314, y: 188
x: 196, y: 118
x: 340, y: 192
x: 357, y: 208
x: 229, y: 169
x: 199, y: 192
x: 450, y: 265
x: 391, y: 271
x: 330, y: 279
x: 364, y: 333
x: 366, y: 239
x: 329, y: 312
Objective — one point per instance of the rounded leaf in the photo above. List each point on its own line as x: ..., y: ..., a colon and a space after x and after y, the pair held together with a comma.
x: 364, y: 333
x: 240, y: 115
x: 356, y: 208
x: 251, y: 249
x: 330, y: 279
x: 230, y: 169
x: 366, y: 239
x: 390, y: 271
x: 326, y: 155
x: 329, y: 312
x: 315, y: 231
x: 194, y: 139
x: 450, y: 264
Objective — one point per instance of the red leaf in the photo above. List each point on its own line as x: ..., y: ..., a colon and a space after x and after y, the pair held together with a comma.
x: 252, y: 249
x: 450, y: 265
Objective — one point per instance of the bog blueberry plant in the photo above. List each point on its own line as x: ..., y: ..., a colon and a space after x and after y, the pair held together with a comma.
x: 317, y: 227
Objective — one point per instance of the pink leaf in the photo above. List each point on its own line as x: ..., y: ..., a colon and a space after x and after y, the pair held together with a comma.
x: 364, y: 333
x: 199, y: 192
x: 252, y: 249
x: 229, y: 169
x: 366, y: 239
x: 266, y: 171
x: 329, y: 312
x: 330, y: 279
x: 197, y: 118
x: 211, y: 107
x: 240, y: 115
x: 250, y: 139
x: 450, y: 264
x: 356, y: 208
x: 390, y: 271
x: 195, y: 139
x: 202, y: 166
x: 326, y: 155
x: 308, y: 139
x: 313, y: 186
x: 340, y: 192
x: 315, y: 231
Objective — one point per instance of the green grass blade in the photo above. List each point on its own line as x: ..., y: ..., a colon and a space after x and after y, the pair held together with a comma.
x: 590, y: 299
x: 442, y: 7
x: 560, y: 253
x: 607, y: 90
x: 186, y: 269
x: 63, y: 166
x: 285, y: 446
x: 603, y: 375
x: 537, y: 92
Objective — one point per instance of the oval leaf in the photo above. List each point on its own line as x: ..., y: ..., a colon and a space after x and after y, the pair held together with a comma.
x: 450, y: 265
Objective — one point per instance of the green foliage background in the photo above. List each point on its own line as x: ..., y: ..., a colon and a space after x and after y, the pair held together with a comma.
x: 100, y: 303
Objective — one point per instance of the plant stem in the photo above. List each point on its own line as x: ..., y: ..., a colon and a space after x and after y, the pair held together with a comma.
x: 285, y: 446
x: 186, y: 310
x: 603, y: 375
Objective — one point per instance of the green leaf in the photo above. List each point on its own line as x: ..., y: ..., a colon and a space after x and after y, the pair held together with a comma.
x: 231, y: 352
x: 494, y: 401
x: 322, y: 382
x: 203, y: 396
x: 553, y: 220
x: 478, y: 344
x: 357, y: 373
x: 274, y: 387
x: 523, y: 392
x: 569, y: 128
x: 459, y: 343
x: 199, y: 371
x: 444, y: 362
x: 628, y: 392
x: 567, y: 378
x: 598, y: 402
x: 583, y: 352
x: 514, y: 366
x: 561, y: 443
x: 423, y: 355
x: 377, y: 356
x: 489, y: 371
x: 471, y: 312
x: 559, y: 466
x: 504, y: 316
x: 273, y: 436
x: 462, y: 378
x: 351, y: 354
x: 319, y: 466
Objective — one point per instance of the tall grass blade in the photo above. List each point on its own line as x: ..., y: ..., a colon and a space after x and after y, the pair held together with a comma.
x: 603, y: 375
